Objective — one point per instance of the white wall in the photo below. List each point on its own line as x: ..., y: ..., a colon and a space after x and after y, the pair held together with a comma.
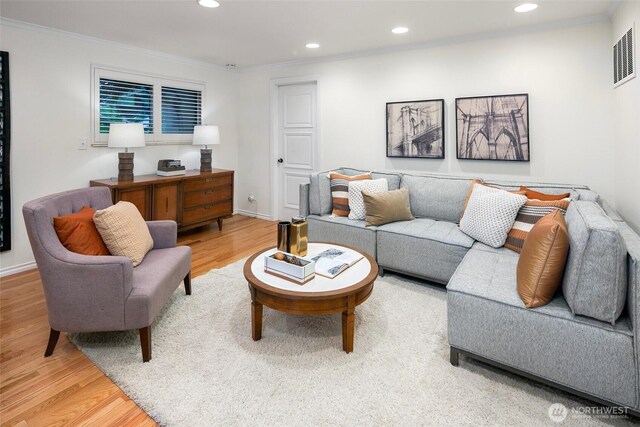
x: 50, y: 108
x: 627, y: 116
x: 567, y: 73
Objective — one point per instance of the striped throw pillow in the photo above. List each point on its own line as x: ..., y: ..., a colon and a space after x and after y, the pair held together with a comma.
x: 340, y: 191
x: 528, y: 215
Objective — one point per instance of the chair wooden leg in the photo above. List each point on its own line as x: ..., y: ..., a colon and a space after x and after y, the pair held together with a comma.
x: 145, y: 343
x: 53, y: 340
x: 187, y: 283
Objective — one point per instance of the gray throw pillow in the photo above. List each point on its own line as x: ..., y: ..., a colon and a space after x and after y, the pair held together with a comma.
x: 595, y: 278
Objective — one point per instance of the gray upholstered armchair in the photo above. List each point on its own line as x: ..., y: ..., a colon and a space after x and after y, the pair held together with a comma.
x: 102, y: 293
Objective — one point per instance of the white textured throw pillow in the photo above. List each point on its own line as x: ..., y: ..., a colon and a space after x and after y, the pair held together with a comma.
x: 356, y: 202
x: 490, y: 214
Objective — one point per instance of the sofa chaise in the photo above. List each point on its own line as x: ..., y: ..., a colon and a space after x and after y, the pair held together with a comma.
x: 487, y: 320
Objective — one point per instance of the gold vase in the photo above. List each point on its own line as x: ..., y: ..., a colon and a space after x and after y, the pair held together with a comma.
x: 298, y: 236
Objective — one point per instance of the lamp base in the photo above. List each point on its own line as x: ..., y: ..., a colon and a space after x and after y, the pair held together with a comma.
x: 125, y: 167
x: 205, y: 160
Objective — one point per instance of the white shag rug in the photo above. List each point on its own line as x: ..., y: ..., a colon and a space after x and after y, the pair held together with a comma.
x: 207, y: 371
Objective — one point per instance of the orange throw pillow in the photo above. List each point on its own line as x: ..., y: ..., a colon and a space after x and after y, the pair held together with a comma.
x: 78, y: 233
x: 532, y: 194
x: 340, y: 191
x: 541, y: 264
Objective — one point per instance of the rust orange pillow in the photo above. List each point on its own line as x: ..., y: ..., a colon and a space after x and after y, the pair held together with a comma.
x: 78, y: 233
x: 532, y: 194
x: 541, y: 264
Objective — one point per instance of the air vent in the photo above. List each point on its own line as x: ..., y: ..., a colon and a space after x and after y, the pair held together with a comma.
x: 624, y: 58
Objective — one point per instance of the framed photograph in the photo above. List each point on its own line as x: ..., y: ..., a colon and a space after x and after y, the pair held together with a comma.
x: 416, y: 129
x: 493, y: 128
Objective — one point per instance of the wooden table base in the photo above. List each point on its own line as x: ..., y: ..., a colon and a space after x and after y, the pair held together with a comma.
x: 346, y: 305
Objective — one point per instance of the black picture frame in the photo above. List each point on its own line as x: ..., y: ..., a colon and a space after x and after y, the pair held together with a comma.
x: 503, y: 119
x: 5, y: 157
x: 415, y: 129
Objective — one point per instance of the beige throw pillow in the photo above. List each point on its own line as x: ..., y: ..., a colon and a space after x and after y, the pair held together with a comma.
x: 388, y: 206
x: 124, y: 231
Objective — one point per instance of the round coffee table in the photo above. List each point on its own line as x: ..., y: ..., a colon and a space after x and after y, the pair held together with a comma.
x: 321, y: 295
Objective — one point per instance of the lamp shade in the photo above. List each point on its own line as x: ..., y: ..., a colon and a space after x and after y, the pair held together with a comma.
x: 206, y: 135
x: 126, y: 135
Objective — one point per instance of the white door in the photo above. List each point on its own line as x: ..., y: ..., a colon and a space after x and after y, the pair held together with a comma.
x: 296, y: 155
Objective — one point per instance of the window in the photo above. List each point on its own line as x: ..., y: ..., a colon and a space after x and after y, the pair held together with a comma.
x: 167, y: 108
x: 181, y: 110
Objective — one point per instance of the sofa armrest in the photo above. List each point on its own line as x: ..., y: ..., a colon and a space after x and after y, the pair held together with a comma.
x: 163, y: 233
x: 304, y: 200
x: 86, y: 293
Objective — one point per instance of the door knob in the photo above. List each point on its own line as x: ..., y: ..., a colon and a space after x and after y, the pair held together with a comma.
x: 280, y: 160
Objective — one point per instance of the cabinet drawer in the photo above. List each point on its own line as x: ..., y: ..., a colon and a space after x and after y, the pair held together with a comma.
x: 207, y: 183
x: 206, y: 212
x: 203, y: 197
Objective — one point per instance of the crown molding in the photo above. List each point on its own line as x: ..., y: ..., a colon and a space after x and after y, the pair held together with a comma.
x: 496, y: 34
x: 14, y: 23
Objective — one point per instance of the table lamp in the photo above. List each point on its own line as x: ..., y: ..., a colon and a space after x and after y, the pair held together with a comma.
x: 125, y: 135
x: 206, y: 135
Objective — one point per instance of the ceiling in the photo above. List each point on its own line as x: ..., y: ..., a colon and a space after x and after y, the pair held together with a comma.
x: 251, y: 33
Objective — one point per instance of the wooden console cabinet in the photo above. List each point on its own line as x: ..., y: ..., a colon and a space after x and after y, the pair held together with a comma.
x: 192, y: 200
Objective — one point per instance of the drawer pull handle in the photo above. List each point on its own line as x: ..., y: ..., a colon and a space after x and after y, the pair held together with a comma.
x: 208, y: 179
x: 208, y: 192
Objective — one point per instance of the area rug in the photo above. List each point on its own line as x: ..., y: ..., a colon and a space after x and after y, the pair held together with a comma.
x: 207, y: 371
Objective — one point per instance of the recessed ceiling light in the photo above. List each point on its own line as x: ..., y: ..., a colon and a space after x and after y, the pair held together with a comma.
x: 399, y: 30
x: 526, y: 7
x: 312, y: 45
x: 208, y: 3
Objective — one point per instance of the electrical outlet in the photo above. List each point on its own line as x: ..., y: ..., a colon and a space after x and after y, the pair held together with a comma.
x: 83, y: 143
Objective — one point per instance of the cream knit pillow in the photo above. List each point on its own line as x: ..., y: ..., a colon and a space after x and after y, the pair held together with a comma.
x: 124, y: 231
x: 490, y: 214
x: 356, y: 203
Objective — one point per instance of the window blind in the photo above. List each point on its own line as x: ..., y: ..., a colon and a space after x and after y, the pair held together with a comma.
x: 125, y: 102
x: 181, y: 110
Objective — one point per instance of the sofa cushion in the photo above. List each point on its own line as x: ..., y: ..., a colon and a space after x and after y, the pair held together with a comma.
x: 528, y: 215
x: 595, y: 280
x: 436, y: 197
x: 386, y: 207
x: 486, y: 317
x: 356, y: 202
x: 320, y: 193
x: 124, y: 231
x: 78, y: 233
x: 343, y: 231
x: 422, y: 247
x: 490, y: 214
x: 542, y: 261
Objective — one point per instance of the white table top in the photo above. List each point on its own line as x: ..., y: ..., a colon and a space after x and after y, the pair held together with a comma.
x: 349, y: 277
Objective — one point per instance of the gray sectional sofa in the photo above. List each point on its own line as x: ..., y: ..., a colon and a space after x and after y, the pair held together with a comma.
x: 487, y: 320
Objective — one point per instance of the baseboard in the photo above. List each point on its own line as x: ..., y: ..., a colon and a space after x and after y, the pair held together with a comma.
x: 253, y: 214
x: 8, y: 271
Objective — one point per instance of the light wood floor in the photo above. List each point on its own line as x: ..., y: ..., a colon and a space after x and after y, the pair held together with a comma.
x: 66, y: 388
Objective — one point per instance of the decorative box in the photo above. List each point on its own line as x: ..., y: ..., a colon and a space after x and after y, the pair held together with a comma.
x: 291, y: 268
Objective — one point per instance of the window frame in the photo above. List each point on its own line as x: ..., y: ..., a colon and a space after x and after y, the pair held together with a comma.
x: 157, y: 81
